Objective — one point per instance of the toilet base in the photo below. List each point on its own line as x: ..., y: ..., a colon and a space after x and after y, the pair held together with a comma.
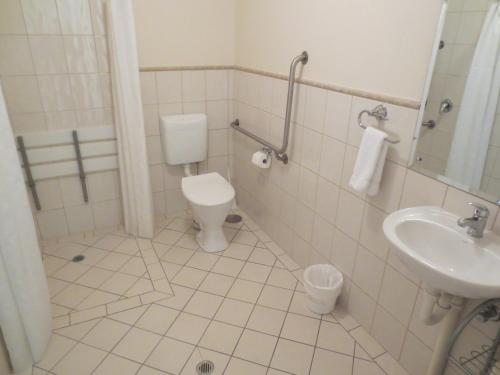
x: 212, y: 239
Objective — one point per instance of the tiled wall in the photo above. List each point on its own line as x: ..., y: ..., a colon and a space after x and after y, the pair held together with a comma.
x: 463, y: 24
x: 177, y: 92
x: 55, y: 75
x: 308, y: 208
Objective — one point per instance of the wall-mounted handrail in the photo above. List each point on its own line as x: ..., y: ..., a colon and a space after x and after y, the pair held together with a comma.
x: 280, y: 152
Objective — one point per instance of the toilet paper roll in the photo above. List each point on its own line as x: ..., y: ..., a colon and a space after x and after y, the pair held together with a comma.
x: 261, y: 159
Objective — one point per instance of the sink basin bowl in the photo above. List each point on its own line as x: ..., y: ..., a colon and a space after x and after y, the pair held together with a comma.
x: 431, y: 244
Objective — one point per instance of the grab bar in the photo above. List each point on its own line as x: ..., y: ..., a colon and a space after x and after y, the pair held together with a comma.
x: 280, y: 152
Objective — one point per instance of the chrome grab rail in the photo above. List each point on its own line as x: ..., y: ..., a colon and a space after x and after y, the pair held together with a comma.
x: 279, y: 152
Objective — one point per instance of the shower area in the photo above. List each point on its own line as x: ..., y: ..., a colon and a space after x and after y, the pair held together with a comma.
x: 72, y: 130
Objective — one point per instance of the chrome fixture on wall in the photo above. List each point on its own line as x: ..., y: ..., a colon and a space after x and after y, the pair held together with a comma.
x: 380, y: 113
x: 431, y: 124
x: 279, y: 152
x: 446, y: 106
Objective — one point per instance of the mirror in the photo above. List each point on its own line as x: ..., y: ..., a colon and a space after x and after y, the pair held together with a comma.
x: 458, y: 140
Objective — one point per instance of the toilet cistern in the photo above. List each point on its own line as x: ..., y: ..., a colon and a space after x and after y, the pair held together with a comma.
x: 185, y: 140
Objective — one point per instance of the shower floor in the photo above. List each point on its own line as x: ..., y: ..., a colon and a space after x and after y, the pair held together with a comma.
x: 160, y: 307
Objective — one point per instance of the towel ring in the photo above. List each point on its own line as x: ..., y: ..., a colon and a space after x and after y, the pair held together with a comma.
x: 380, y: 113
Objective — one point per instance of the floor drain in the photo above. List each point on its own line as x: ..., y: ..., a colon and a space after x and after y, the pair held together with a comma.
x: 78, y: 258
x: 233, y: 218
x: 205, y: 367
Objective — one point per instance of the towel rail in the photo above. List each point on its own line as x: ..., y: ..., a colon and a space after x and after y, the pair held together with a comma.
x: 380, y: 113
x: 279, y: 152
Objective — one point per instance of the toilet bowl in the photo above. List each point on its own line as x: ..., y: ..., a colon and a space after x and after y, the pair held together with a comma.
x: 210, y: 196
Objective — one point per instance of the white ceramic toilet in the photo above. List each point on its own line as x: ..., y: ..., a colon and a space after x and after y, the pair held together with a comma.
x: 184, y: 141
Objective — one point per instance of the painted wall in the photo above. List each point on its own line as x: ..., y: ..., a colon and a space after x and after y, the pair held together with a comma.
x: 184, y: 32
x: 367, y: 45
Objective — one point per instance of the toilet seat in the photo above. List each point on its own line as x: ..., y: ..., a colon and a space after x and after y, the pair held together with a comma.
x: 210, y: 189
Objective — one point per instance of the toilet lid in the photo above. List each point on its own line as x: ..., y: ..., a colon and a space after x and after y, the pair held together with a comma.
x: 208, y: 189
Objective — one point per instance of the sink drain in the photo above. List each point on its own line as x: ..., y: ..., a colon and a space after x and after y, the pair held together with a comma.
x: 205, y: 367
x: 78, y: 258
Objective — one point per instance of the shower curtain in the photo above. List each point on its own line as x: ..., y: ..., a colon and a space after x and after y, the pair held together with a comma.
x: 466, y: 161
x: 25, y: 316
x: 131, y: 137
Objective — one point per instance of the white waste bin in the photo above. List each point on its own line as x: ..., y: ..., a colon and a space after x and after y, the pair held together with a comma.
x: 323, y: 283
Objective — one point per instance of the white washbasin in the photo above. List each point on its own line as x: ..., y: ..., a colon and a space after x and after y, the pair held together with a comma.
x: 431, y: 244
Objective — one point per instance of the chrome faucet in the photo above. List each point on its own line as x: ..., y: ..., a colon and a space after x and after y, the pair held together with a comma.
x: 477, y: 222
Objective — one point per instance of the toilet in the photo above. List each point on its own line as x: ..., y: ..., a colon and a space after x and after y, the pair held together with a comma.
x: 210, y: 196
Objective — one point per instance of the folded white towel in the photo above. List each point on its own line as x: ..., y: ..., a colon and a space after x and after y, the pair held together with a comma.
x: 369, y: 165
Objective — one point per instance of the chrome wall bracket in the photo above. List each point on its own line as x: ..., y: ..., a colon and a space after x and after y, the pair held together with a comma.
x: 279, y: 152
x: 79, y: 161
x: 27, y: 171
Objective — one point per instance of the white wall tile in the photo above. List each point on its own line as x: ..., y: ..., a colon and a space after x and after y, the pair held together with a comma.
x: 52, y: 223
x: 361, y: 307
x: 21, y: 94
x: 308, y: 183
x: 343, y: 252
x: 151, y: 119
x: 169, y: 87
x: 41, y: 16
x: 107, y: 214
x: 217, y: 113
x: 217, y: 142
x: 154, y: 148
x: 322, y: 238
x: 15, y: 57
x: 86, y: 89
x: 103, y: 186
x: 56, y: 92
x: 415, y: 356
x: 148, y: 87
x: 97, y: 13
x: 311, y: 149
x: 49, y: 194
x: 304, y: 220
x: 61, y: 120
x: 48, y: 54
x: 315, y: 109
x: 217, y: 84
x: 79, y: 218
x: 420, y: 190
x: 338, y: 109
x: 11, y: 17
x: 175, y: 201
x: 368, y: 272
x: 71, y: 191
x: 327, y: 198
x: 332, y: 159
x: 398, y: 295
x: 193, y: 107
x: 80, y: 54
x: 74, y: 16
x: 27, y: 123
x: 193, y: 85
x: 349, y: 214
x: 372, y: 236
x: 388, y: 332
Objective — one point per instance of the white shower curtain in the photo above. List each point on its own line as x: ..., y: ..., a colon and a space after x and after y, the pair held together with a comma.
x: 132, y: 155
x: 467, y: 157
x: 25, y: 316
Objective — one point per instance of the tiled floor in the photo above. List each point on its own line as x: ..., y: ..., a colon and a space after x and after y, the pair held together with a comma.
x: 243, y: 309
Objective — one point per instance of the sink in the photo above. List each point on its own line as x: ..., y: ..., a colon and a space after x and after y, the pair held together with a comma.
x: 431, y: 244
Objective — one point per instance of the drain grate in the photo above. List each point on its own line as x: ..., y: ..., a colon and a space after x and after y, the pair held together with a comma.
x: 205, y: 367
x: 233, y: 218
x: 78, y: 258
